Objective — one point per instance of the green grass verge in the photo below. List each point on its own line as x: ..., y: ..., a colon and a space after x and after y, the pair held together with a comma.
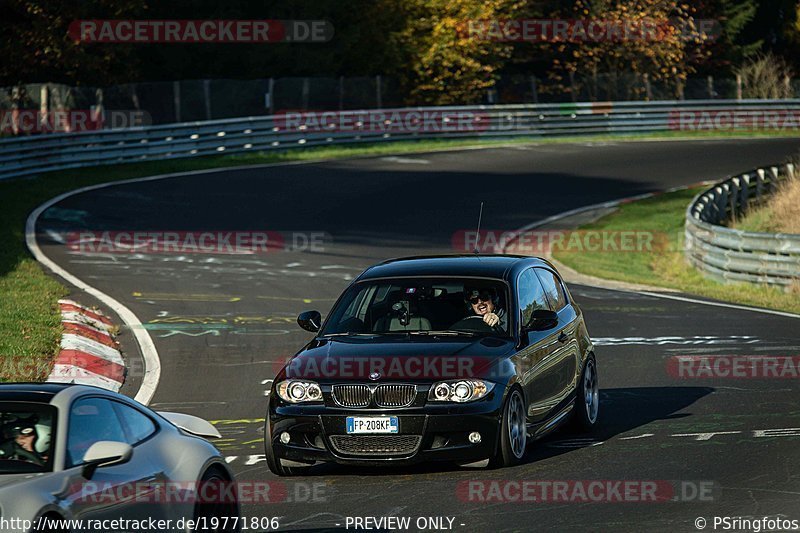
x: 30, y: 328
x: 761, y: 220
x: 664, y: 265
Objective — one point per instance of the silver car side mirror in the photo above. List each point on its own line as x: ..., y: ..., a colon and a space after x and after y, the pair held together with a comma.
x: 105, y: 453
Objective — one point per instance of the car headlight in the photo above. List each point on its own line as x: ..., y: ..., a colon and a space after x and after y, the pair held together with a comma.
x: 298, y: 391
x: 463, y: 390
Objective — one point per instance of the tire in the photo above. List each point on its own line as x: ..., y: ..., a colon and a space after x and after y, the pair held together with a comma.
x: 274, y: 463
x: 513, y: 432
x: 587, y: 398
x: 204, y: 511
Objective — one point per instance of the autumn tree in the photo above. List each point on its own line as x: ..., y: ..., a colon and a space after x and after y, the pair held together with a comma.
x: 438, y: 58
x: 640, y: 43
x: 37, y: 47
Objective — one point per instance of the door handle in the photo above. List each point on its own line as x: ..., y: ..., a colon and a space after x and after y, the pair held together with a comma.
x: 563, y: 337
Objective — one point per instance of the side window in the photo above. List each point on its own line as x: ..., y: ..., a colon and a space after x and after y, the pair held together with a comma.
x: 553, y: 288
x: 137, y: 425
x: 531, y: 295
x: 91, y: 420
x: 353, y: 309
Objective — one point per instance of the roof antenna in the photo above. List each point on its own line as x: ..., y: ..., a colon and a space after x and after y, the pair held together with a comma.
x: 478, y: 235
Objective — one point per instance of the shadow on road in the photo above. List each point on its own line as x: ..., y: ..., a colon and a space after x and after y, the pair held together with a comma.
x: 623, y: 410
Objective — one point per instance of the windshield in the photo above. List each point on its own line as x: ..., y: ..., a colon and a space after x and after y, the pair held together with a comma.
x: 26, y: 438
x: 422, y: 306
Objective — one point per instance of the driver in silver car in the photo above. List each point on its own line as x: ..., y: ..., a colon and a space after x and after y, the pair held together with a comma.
x: 485, y: 303
x: 20, y: 445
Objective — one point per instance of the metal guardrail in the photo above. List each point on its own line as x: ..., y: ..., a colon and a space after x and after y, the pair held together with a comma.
x: 43, y: 153
x: 728, y: 254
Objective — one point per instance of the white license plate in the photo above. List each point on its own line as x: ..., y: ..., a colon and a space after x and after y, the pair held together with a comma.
x: 372, y: 424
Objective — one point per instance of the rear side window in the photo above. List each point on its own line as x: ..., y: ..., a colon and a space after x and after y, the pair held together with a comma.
x: 91, y: 420
x: 531, y: 295
x: 553, y: 289
x: 137, y: 426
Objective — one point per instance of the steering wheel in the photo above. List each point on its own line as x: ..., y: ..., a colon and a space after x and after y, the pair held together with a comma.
x: 10, y: 465
x: 475, y: 324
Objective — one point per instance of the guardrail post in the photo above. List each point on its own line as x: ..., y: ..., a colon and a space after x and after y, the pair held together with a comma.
x: 744, y: 193
x: 738, y: 86
x: 775, y: 178
x: 722, y: 203
x: 733, y: 198
x: 572, y: 87
x: 760, y: 185
x: 176, y: 95
x: 790, y: 170
x: 271, y: 95
x: 207, y: 97
x: 44, y: 105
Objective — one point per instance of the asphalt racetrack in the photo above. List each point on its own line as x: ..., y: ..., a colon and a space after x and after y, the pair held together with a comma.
x: 223, y: 322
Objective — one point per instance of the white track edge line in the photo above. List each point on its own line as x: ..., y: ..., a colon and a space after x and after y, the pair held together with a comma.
x: 152, y: 362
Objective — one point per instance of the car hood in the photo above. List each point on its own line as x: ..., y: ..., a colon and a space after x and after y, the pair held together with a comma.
x: 410, y: 359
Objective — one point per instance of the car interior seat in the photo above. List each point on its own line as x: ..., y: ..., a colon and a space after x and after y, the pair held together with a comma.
x: 403, y: 315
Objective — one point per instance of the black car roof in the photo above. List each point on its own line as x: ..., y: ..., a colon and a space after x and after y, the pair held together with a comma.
x: 30, y: 392
x: 482, y: 266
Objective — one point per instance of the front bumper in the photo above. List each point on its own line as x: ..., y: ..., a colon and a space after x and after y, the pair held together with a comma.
x: 431, y: 433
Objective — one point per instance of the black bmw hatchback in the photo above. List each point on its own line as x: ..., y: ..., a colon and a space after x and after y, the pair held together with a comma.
x: 455, y: 358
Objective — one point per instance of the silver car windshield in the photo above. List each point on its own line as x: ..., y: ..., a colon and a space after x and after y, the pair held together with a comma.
x: 422, y: 306
x: 27, y: 438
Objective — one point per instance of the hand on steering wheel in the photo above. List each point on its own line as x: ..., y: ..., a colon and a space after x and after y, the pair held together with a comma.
x: 495, y: 325
x: 491, y: 319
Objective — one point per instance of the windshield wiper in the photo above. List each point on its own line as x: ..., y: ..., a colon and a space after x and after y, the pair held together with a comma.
x: 361, y: 334
x: 345, y: 334
x: 432, y: 333
x: 437, y: 332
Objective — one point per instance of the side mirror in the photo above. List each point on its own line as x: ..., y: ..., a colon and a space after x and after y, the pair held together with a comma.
x: 105, y: 453
x: 310, y: 321
x: 542, y: 319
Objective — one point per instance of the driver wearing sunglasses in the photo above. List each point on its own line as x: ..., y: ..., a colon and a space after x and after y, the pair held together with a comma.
x: 485, y: 303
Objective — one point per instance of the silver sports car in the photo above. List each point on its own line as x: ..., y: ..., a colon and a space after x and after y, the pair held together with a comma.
x: 78, y: 458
